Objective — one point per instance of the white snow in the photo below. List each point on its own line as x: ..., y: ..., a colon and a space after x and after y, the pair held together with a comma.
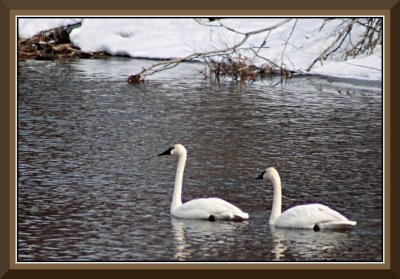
x: 294, y: 45
x: 28, y: 27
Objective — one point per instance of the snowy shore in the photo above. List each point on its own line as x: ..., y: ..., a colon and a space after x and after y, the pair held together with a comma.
x: 295, y: 44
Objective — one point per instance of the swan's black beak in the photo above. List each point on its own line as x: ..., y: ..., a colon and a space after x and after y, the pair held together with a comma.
x: 261, y: 176
x: 167, y: 152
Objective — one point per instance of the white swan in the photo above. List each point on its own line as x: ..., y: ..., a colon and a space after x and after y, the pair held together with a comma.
x: 205, y: 208
x: 309, y: 216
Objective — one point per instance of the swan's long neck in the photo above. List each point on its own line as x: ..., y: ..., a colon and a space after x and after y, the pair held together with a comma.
x: 277, y: 202
x: 177, y: 196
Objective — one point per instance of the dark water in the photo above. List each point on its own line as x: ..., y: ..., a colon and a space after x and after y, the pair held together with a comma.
x: 92, y: 188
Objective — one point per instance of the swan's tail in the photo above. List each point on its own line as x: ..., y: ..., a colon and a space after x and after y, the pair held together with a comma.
x: 241, y: 217
x: 339, y: 225
x: 237, y: 216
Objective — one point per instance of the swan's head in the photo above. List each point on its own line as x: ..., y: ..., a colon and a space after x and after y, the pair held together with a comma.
x: 177, y: 149
x: 269, y: 173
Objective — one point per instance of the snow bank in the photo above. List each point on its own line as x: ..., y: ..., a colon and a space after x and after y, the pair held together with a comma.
x: 295, y: 44
x: 369, y: 68
x: 28, y: 27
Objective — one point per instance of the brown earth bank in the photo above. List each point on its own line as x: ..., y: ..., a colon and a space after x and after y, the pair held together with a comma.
x: 53, y: 44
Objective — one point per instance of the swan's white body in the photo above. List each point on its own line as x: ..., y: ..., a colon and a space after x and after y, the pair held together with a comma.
x: 205, y: 208
x: 309, y: 216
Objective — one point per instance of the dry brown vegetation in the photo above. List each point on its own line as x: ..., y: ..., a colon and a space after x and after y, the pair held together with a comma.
x: 52, y: 44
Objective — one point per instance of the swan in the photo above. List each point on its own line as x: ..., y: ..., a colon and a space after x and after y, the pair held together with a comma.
x: 205, y: 208
x: 309, y: 216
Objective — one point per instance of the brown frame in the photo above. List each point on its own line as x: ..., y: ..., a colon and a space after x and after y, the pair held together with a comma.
x: 391, y: 10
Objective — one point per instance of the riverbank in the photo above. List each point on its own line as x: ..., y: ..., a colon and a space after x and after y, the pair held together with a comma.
x: 301, y: 45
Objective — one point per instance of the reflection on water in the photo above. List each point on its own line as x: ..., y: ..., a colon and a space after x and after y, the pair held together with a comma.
x: 92, y: 188
x: 279, y: 240
x: 197, y: 239
x: 307, y: 244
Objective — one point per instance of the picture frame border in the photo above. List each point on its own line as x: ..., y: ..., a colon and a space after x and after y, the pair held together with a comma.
x: 10, y: 9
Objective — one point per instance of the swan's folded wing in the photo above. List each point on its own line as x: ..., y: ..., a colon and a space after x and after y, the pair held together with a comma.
x: 203, y: 208
x: 341, y: 225
x: 307, y: 216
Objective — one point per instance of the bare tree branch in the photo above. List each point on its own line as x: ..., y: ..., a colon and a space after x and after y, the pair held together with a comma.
x: 287, y: 40
x: 324, y: 54
x: 365, y: 45
x: 233, y: 62
x: 160, y: 66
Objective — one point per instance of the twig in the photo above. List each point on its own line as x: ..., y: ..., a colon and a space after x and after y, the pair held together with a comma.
x: 362, y: 66
x: 264, y: 58
x: 286, y: 43
x: 328, y: 50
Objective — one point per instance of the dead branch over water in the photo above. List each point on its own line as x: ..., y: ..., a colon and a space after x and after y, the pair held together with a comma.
x: 241, y: 68
x: 172, y: 63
